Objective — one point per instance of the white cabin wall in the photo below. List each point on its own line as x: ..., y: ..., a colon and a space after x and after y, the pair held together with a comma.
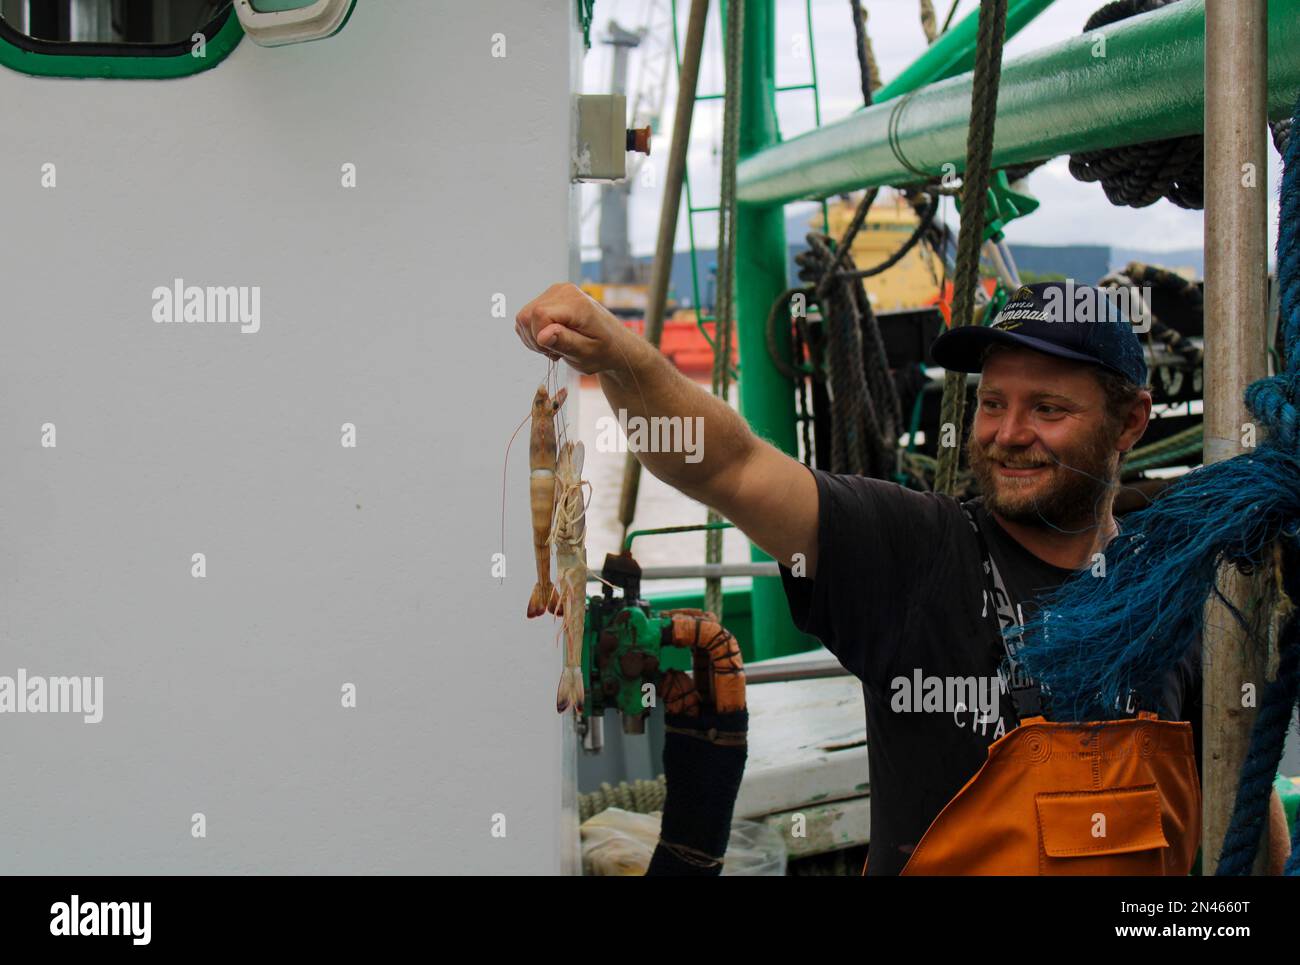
x: 325, y: 565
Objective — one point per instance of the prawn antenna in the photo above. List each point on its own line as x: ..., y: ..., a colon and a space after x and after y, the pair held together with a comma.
x: 635, y: 380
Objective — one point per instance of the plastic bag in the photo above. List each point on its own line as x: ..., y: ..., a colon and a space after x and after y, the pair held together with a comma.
x: 618, y: 842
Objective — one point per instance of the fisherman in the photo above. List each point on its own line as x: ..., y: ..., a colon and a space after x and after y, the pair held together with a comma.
x: 903, y: 585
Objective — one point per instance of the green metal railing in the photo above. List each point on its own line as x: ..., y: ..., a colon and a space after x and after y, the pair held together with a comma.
x: 667, y: 530
x: 691, y: 208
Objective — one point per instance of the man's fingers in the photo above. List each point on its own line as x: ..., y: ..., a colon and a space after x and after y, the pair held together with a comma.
x: 526, y: 336
x: 570, y: 309
x: 563, y: 341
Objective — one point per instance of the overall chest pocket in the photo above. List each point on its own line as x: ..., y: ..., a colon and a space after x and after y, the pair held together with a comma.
x: 1114, y: 831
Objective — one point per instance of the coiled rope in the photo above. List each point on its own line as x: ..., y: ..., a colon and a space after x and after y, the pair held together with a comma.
x: 641, y: 797
x: 1139, y: 175
x: 866, y: 415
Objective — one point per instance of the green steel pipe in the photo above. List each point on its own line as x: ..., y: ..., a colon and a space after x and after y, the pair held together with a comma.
x: 954, y: 52
x: 669, y: 530
x: 1149, y: 85
x: 766, y: 396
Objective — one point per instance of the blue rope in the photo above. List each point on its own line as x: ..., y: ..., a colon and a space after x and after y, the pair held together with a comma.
x: 1249, y: 812
x: 1097, y: 638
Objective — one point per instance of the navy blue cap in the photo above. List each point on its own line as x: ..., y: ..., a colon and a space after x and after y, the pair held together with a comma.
x: 1060, y: 318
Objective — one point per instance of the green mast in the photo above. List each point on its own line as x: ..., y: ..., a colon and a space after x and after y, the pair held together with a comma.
x: 766, y: 396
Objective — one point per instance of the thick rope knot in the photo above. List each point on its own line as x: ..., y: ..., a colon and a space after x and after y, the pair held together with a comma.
x: 1273, y: 402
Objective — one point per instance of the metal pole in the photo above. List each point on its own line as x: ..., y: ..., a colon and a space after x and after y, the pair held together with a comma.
x: 1235, y: 298
x: 687, y: 80
x: 993, y: 252
x: 705, y: 571
x: 782, y: 673
x: 1009, y: 262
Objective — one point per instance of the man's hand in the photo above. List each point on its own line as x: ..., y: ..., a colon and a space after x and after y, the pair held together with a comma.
x: 563, y: 322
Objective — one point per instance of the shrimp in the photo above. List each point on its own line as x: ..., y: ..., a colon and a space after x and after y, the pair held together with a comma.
x: 568, y: 533
x: 541, y: 491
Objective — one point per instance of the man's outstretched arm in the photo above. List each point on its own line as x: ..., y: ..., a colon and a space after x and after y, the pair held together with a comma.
x: 766, y: 494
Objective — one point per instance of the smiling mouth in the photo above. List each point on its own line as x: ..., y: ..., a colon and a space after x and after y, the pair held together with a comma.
x: 1020, y: 471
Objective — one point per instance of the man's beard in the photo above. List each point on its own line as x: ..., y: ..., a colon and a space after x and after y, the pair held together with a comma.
x: 1069, y: 495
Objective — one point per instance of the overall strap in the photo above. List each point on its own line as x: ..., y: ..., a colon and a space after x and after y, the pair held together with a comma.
x: 1026, y: 694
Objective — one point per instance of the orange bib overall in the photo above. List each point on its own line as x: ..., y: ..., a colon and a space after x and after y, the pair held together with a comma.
x: 1118, y: 797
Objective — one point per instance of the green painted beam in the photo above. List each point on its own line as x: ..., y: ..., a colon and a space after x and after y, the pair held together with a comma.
x: 766, y: 396
x: 954, y: 52
x: 1149, y: 85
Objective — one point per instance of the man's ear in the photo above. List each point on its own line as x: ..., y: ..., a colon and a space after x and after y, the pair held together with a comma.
x: 1135, y: 424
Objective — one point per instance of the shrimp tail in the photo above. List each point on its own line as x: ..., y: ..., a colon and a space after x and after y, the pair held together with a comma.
x: 542, y: 497
x: 571, y: 692
x: 541, y: 596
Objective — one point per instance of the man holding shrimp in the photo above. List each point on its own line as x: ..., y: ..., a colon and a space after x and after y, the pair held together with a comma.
x: 898, y: 583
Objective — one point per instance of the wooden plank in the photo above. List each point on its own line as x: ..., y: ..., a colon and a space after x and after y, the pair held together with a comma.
x: 807, y: 744
x: 822, y: 828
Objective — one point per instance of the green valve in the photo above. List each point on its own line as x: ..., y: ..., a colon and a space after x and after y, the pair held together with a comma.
x: 626, y: 647
x: 625, y: 655
x: 1004, y: 206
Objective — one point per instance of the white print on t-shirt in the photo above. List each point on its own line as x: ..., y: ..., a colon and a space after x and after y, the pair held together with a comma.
x: 979, y: 722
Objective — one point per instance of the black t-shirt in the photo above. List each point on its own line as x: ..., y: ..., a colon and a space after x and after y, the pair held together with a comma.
x: 899, y: 597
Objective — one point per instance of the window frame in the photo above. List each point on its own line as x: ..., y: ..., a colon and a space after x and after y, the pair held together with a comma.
x: 122, y: 61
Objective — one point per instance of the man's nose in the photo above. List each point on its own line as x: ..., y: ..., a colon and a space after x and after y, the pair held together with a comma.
x: 1015, y: 430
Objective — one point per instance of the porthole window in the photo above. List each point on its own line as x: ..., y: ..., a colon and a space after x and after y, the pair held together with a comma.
x: 116, y: 38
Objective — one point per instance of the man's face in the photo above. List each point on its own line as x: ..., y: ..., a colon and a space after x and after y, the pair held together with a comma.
x: 1040, y: 447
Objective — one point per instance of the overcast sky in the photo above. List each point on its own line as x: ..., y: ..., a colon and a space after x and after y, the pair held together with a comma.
x: 1071, y: 212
